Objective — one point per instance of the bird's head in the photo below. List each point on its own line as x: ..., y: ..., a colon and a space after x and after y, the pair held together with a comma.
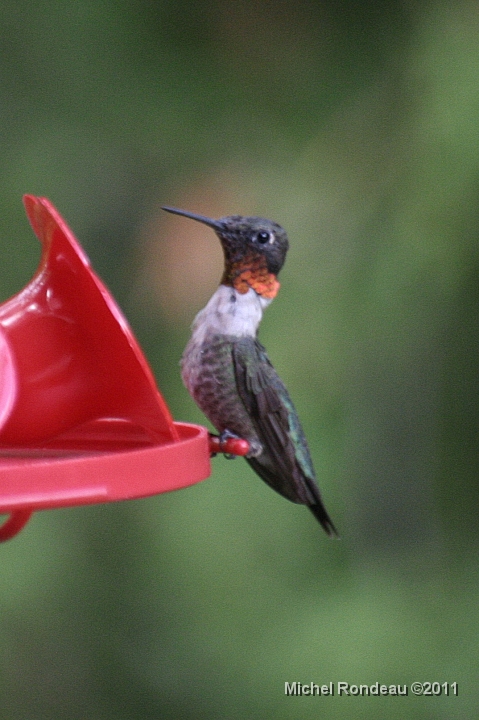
x: 254, y: 249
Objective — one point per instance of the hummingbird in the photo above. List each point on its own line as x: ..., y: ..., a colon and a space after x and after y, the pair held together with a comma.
x: 226, y: 369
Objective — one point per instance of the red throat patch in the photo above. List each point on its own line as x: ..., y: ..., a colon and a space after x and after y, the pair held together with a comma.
x: 252, y: 272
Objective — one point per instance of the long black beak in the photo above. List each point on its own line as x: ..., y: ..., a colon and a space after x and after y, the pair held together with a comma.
x: 215, y: 224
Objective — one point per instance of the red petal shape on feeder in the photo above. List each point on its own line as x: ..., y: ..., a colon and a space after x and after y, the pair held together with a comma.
x: 81, y: 418
x: 74, y: 355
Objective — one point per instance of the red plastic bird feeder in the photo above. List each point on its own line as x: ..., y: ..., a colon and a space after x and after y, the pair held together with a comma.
x: 81, y: 418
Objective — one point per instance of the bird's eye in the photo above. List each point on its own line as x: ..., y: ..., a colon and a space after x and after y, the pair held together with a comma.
x: 263, y: 237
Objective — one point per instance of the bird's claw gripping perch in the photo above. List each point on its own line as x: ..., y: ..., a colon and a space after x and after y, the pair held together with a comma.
x: 228, y: 444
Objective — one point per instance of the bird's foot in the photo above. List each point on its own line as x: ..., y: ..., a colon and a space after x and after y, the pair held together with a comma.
x: 230, y: 444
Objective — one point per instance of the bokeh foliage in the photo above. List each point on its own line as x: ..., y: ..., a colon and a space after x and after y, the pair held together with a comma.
x: 355, y: 125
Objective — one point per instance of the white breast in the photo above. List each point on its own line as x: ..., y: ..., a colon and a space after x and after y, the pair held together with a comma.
x: 230, y: 313
x: 227, y: 313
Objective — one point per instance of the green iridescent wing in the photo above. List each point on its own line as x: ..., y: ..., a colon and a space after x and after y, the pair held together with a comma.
x: 285, y: 463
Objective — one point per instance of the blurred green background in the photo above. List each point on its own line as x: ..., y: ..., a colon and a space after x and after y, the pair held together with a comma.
x: 356, y: 126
